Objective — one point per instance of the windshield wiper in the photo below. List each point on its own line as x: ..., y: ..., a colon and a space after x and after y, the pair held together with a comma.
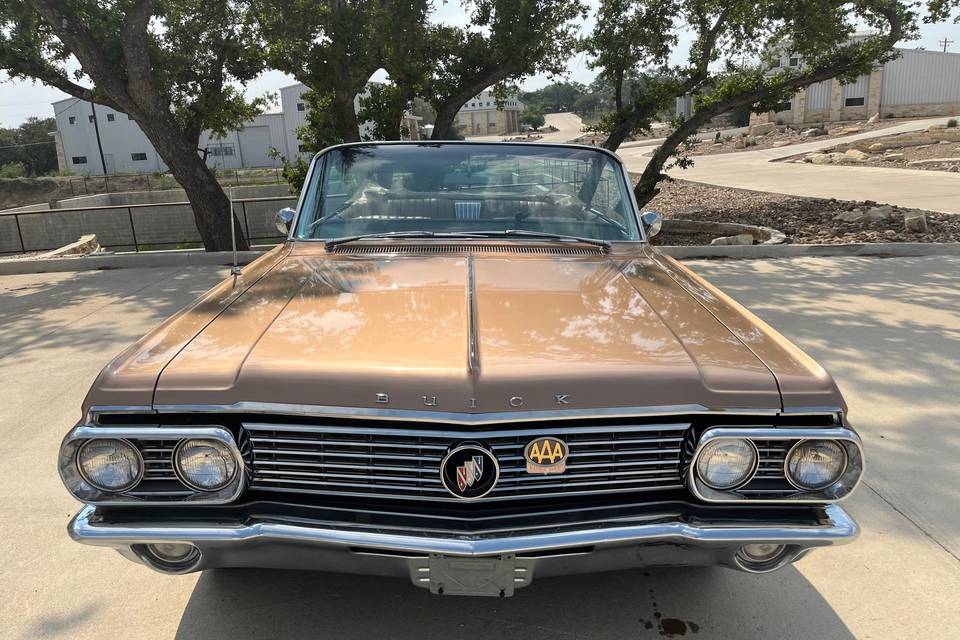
x: 332, y: 242
x: 607, y: 218
x: 547, y: 236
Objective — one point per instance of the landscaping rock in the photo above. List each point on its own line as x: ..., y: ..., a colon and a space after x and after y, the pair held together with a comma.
x: 781, y: 143
x: 818, y: 158
x: 856, y: 154
x: 879, y: 213
x: 893, y: 156
x: 915, y: 222
x: 741, y: 238
x: 763, y: 129
x: 813, y: 133
x: 850, y: 216
x: 876, y: 147
x: 919, y: 163
x: 874, y: 118
x: 849, y: 130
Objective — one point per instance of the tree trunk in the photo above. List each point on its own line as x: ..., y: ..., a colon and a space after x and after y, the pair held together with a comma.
x: 446, y: 116
x: 646, y: 188
x: 345, y: 115
x: 211, y: 206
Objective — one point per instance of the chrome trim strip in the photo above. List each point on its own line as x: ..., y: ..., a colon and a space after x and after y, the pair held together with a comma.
x: 840, y: 529
x: 83, y: 491
x: 836, y: 492
x: 491, y: 417
x: 473, y: 340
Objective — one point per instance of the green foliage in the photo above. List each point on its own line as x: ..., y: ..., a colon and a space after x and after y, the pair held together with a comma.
x: 941, y: 10
x: 951, y: 123
x: 31, y: 146
x: 533, y: 118
x: 12, y: 170
x: 557, y: 97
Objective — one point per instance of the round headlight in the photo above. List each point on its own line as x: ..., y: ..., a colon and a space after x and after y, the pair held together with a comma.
x: 109, y: 464
x: 205, y: 465
x: 727, y: 463
x: 815, y: 464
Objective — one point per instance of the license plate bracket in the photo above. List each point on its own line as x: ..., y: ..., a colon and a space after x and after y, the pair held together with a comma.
x: 458, y: 576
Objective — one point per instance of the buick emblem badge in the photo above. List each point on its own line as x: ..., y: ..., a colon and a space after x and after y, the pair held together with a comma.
x: 469, y: 471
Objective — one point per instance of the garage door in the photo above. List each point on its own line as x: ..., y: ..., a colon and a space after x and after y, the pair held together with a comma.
x: 255, y: 146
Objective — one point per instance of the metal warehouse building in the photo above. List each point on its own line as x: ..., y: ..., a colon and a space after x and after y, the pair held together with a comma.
x: 917, y: 84
x: 123, y: 148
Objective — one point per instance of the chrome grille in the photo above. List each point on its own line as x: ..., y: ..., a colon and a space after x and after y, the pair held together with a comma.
x: 405, y: 462
x: 159, y: 479
x: 770, y: 481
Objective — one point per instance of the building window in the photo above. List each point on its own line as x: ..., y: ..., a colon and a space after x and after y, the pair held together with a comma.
x: 110, y: 117
x: 775, y: 64
x: 794, y: 62
x: 220, y: 149
x: 301, y: 106
x: 90, y: 118
x: 783, y: 106
x: 72, y: 119
x: 79, y: 159
x: 853, y: 102
x: 136, y: 157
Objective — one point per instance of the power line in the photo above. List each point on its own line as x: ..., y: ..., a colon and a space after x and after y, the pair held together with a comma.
x: 27, y: 144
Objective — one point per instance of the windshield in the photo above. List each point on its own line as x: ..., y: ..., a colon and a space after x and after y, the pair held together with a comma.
x: 466, y: 188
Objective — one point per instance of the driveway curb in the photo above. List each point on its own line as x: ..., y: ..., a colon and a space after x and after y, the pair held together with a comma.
x: 147, y: 260
x: 870, y: 249
x: 125, y: 261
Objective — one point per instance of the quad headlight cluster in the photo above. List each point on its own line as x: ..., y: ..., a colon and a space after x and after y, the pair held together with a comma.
x: 821, y: 465
x: 103, y: 465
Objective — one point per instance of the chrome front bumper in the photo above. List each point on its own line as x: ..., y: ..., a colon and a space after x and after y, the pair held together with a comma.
x: 591, y: 547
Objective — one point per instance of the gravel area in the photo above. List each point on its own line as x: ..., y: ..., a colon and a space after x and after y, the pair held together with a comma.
x: 788, y: 137
x: 900, y: 157
x: 803, y: 220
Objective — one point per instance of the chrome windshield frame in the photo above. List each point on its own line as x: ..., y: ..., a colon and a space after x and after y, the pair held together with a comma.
x: 316, y: 164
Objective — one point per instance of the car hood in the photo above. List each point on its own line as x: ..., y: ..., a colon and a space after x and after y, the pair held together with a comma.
x: 464, y: 333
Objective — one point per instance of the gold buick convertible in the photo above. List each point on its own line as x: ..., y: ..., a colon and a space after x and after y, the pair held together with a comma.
x: 465, y: 366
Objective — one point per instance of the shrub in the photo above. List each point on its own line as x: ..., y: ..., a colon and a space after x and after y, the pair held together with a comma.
x: 12, y: 170
x: 951, y: 123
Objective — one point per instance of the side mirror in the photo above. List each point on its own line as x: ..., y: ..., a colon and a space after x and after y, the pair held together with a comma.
x: 651, y: 221
x: 284, y: 219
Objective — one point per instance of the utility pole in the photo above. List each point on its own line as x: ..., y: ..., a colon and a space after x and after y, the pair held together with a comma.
x: 96, y: 129
x: 945, y: 42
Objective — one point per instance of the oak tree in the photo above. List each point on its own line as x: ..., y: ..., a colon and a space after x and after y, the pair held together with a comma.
x: 171, y: 65
x: 728, y: 63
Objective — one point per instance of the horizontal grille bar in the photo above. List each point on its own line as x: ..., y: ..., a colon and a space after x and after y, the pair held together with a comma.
x: 405, y: 462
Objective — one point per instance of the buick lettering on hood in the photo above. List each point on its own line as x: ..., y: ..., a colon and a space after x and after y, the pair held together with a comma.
x: 465, y: 366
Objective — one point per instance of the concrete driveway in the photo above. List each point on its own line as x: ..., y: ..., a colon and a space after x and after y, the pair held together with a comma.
x: 568, y: 127
x: 756, y: 170
x: 888, y: 329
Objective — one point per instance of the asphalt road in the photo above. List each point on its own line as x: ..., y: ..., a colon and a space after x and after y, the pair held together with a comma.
x: 888, y: 329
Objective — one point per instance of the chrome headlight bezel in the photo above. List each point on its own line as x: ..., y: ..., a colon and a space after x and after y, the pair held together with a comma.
x: 838, y: 490
x: 84, y: 491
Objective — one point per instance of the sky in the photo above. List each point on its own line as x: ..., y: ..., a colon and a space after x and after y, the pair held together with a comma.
x: 22, y: 99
